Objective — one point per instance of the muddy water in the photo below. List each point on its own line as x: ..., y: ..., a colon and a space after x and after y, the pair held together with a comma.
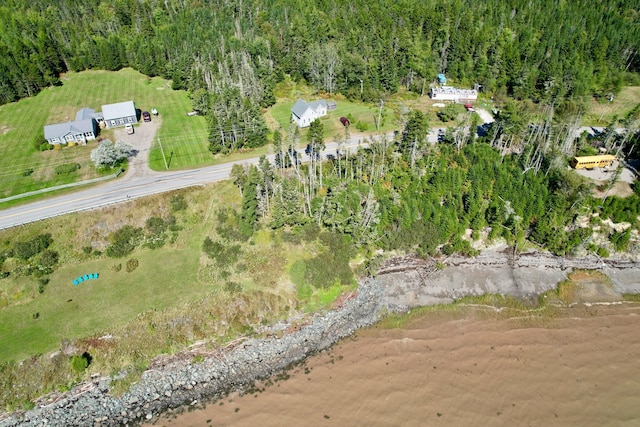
x: 579, y: 369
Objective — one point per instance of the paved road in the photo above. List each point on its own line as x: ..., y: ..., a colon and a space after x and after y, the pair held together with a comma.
x: 134, y: 185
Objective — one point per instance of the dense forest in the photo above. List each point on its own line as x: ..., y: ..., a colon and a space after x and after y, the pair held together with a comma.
x: 230, y: 54
x: 408, y: 195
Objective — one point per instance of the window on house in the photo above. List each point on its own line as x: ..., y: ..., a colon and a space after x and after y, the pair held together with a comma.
x: 121, y: 121
x: 113, y: 122
x: 130, y: 119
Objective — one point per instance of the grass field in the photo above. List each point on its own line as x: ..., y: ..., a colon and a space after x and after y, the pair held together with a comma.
x: 117, y: 297
x: 23, y: 169
x: 166, y: 278
x: 602, y: 113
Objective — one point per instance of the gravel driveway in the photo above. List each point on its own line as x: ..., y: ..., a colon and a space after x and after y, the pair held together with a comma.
x: 142, y: 141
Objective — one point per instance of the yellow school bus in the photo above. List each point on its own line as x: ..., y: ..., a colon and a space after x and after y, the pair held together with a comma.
x: 591, y: 162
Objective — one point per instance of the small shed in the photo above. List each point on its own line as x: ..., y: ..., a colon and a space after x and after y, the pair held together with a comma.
x: 331, y: 105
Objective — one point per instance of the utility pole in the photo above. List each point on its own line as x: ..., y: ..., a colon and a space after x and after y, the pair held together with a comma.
x: 361, y: 87
x: 379, y: 115
x: 163, y: 157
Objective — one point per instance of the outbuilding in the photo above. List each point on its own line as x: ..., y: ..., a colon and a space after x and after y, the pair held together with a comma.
x: 119, y: 114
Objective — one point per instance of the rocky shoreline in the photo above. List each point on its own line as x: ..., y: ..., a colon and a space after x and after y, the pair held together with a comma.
x: 400, y: 285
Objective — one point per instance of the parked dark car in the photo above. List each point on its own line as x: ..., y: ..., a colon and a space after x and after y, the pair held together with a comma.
x: 344, y: 121
x: 146, y: 116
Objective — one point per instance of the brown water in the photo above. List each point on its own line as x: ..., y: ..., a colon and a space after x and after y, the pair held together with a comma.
x: 580, y: 369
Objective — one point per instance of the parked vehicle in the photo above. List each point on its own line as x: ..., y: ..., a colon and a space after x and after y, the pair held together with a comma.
x: 469, y: 108
x: 146, y: 116
x: 129, y: 128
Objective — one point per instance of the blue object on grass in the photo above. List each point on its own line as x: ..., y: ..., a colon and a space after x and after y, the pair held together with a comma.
x: 86, y: 277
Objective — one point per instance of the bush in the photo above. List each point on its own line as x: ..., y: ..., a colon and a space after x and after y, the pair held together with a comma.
x: 25, y: 250
x: 48, y: 258
x: 27, y: 172
x: 132, y: 264
x: 332, y: 264
x: 447, y: 113
x: 178, y: 203
x: 362, y: 126
x: 42, y: 283
x: 225, y: 255
x: 80, y: 362
x: 124, y: 241
x: 66, y: 168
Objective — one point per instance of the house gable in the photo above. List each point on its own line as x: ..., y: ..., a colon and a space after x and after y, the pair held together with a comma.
x: 82, y: 129
x: 304, y: 113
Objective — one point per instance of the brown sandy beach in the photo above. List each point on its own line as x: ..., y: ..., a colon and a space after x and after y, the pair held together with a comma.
x: 580, y: 368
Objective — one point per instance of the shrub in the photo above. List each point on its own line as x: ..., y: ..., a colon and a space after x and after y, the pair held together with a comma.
x: 178, y: 203
x: 233, y: 287
x: 224, y: 254
x: 42, y: 283
x: 25, y: 250
x: 80, y: 362
x: 124, y: 241
x: 332, y: 264
x: 49, y: 258
x: 447, y: 113
x: 27, y: 172
x: 602, y: 252
x: 362, y: 126
x: 132, y: 264
x: 66, y: 168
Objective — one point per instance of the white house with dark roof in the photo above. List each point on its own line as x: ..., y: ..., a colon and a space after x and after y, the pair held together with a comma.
x: 119, y: 114
x: 84, y: 128
x: 304, y: 113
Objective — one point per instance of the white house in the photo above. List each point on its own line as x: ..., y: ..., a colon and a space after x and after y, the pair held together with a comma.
x: 450, y: 93
x: 119, y: 114
x: 84, y: 128
x: 304, y: 113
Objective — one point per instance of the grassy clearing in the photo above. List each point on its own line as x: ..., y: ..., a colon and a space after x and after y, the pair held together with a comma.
x: 176, y: 294
x: 280, y: 114
x: 603, y: 113
x: 23, y: 169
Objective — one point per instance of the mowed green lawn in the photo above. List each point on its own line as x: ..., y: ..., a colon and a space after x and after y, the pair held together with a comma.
x: 23, y: 121
x: 66, y: 311
x: 367, y: 114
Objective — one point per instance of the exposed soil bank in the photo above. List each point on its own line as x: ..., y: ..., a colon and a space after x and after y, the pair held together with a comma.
x: 407, y: 284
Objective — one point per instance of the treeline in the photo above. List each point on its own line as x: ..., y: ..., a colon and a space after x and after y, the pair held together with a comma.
x: 407, y: 194
x: 540, y: 50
